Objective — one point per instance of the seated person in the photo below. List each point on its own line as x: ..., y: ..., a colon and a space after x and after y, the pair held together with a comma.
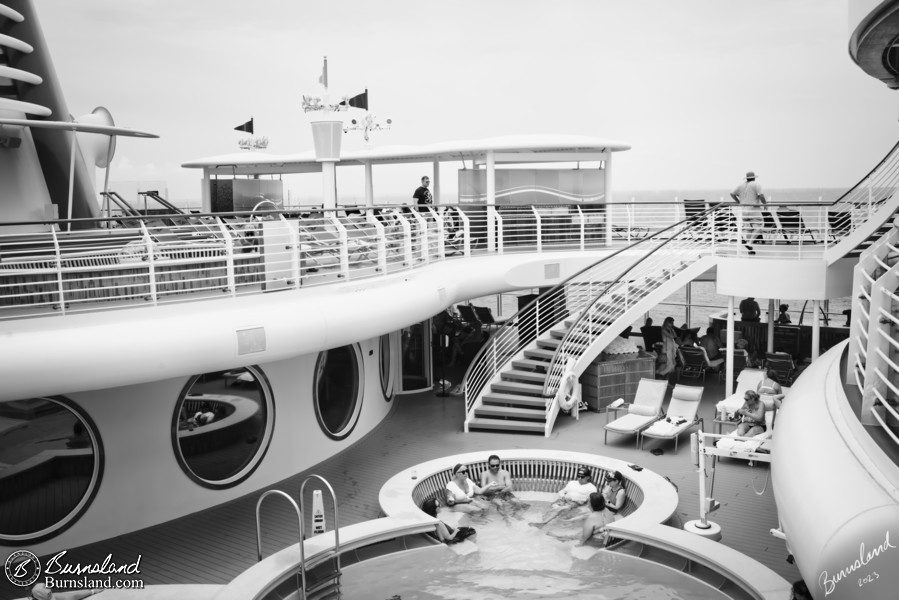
x: 783, y: 318
x: 573, y: 496
x: 753, y: 415
x: 711, y: 343
x: 686, y: 337
x: 460, y: 491
x: 749, y: 310
x: 444, y: 533
x: 497, y: 485
x: 613, y: 493
x: 770, y: 386
x: 593, y: 528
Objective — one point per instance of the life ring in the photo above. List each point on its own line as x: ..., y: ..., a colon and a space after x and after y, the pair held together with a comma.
x: 567, y: 394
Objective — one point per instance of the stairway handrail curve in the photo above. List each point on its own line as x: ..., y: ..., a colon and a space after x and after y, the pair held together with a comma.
x: 473, y: 390
x: 697, y: 224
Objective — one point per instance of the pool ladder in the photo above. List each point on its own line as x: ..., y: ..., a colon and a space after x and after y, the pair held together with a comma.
x: 325, y: 585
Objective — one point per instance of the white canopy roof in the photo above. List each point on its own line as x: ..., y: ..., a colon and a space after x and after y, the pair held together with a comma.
x: 509, y: 149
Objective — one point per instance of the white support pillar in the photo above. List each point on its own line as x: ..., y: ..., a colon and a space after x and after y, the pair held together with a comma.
x: 491, y: 201
x: 771, y: 319
x: 729, y: 362
x: 816, y: 330
x: 369, y: 185
x: 329, y: 184
x: 435, y: 180
x: 205, y: 192
x: 607, y: 159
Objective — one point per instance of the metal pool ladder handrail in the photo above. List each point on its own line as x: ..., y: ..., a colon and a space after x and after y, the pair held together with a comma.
x: 301, y: 587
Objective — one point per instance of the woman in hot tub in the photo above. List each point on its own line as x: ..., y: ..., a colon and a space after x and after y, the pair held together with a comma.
x: 460, y: 491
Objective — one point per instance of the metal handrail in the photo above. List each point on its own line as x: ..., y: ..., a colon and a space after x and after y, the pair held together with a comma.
x: 301, y: 586
x: 336, y: 528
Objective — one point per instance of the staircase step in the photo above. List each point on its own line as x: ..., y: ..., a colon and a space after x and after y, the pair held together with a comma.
x: 517, y: 388
x: 511, y: 412
x: 548, y: 343
x: 514, y: 399
x: 520, y: 375
x: 539, y: 353
x: 506, y: 425
x: 530, y: 363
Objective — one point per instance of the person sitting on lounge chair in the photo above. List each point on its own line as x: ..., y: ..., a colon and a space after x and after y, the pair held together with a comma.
x: 753, y: 415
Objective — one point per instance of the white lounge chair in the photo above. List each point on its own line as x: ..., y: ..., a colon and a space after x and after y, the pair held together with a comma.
x: 682, y: 415
x: 643, y: 412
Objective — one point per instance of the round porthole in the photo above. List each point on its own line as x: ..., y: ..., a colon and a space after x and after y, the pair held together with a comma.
x: 337, y: 390
x: 52, y: 460
x: 385, y: 364
x: 222, y: 426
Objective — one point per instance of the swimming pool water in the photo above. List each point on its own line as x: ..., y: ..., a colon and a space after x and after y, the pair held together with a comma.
x: 509, y: 558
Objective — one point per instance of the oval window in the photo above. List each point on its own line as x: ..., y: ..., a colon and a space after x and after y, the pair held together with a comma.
x: 385, y: 363
x: 52, y: 462
x: 222, y: 426
x: 337, y: 390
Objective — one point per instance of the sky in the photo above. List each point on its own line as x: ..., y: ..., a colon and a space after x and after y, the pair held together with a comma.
x: 703, y: 90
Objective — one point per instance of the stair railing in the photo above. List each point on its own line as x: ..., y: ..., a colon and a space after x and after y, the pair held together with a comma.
x: 576, y: 294
x: 691, y: 241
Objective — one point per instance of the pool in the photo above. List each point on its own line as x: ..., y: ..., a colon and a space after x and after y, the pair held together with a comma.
x: 509, y: 558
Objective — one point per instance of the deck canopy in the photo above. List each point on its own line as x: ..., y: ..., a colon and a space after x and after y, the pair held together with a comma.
x: 510, y: 149
x: 487, y: 153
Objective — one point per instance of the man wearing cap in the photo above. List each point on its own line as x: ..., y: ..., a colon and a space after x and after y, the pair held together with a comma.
x: 573, y: 496
x: 749, y: 194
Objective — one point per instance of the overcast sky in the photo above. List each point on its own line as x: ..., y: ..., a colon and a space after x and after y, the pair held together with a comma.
x: 703, y: 90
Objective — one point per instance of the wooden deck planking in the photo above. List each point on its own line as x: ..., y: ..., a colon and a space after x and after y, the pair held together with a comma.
x: 215, y: 545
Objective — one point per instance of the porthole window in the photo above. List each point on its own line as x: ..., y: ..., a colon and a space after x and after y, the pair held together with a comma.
x: 338, y: 373
x: 52, y: 462
x: 385, y: 367
x: 223, y: 425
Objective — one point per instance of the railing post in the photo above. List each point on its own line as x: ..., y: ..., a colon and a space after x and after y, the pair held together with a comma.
x: 422, y: 224
x: 441, y: 233
x: 59, y: 283
x: 491, y: 229
x: 151, y: 262
x: 466, y: 233
x: 293, y: 230
x: 539, y: 228
x: 343, y: 249
x: 407, y: 240
x: 381, y: 240
x: 583, y: 226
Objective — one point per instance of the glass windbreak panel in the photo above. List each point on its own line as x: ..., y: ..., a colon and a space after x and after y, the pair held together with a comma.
x: 49, y: 465
x: 337, y: 402
x: 223, y: 425
x: 385, y: 364
x: 415, y: 346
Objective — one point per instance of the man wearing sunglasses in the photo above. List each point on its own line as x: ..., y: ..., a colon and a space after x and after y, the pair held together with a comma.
x: 497, y: 484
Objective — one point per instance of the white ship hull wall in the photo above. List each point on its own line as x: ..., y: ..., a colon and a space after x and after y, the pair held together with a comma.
x: 143, y: 483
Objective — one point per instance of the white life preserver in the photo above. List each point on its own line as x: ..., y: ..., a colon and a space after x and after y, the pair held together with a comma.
x: 567, y: 394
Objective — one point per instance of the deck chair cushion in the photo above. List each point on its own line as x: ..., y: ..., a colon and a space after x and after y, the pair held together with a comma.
x: 643, y: 411
x: 630, y: 423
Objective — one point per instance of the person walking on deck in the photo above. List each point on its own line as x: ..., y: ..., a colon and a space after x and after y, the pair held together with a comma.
x: 749, y: 194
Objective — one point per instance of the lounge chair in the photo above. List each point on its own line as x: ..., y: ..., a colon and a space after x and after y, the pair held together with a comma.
x: 652, y: 335
x: 485, y: 316
x: 782, y: 364
x: 696, y: 361
x: 681, y: 415
x: 791, y: 224
x: 643, y: 412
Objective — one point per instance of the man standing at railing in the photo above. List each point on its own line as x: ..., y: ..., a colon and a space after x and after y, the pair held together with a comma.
x: 749, y: 193
x: 422, y: 195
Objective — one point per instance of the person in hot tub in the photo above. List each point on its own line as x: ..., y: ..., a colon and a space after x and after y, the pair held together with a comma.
x: 572, y: 498
x: 460, y: 491
x: 497, y: 485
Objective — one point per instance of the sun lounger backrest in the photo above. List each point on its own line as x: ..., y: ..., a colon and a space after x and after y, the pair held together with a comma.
x: 651, y: 393
x: 685, y: 401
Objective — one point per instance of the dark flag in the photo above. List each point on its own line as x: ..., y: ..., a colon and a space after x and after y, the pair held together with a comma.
x: 248, y: 126
x: 359, y: 101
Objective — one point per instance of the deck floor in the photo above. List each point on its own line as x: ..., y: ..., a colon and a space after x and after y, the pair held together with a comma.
x: 213, y: 546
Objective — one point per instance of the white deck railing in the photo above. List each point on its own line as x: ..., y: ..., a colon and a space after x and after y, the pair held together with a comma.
x: 133, y: 261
